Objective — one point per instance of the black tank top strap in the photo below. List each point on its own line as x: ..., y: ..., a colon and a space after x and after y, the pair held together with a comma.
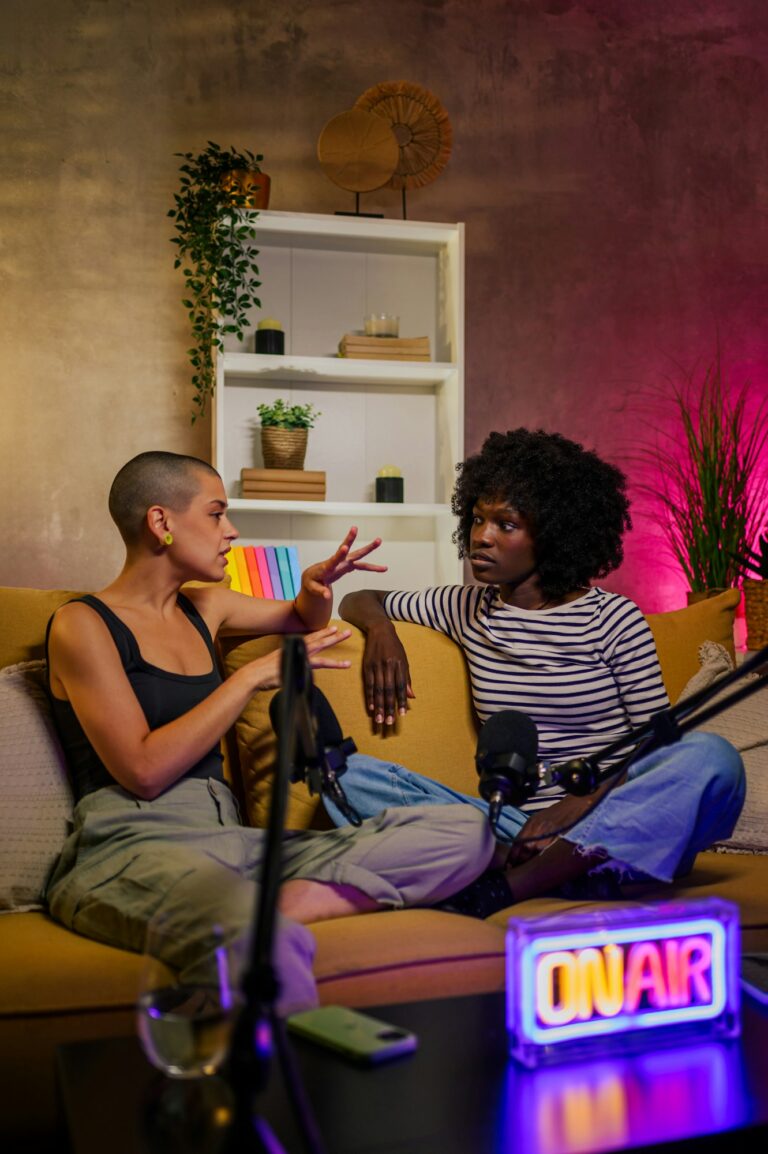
x: 123, y: 638
x: 190, y: 610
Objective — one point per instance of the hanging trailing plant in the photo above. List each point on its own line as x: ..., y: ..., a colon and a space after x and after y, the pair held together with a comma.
x: 215, y: 230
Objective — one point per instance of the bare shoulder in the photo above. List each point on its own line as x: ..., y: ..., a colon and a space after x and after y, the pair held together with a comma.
x: 74, y: 618
x: 78, y: 630
x: 211, y: 602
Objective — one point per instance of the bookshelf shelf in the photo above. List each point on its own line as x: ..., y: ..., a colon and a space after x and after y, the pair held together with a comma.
x: 320, y: 276
x: 245, y: 368
x: 354, y: 509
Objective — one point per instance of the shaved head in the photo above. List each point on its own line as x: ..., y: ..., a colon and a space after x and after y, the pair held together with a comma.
x: 154, y: 478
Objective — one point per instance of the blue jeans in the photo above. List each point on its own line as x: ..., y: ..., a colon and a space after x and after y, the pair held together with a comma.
x: 676, y: 801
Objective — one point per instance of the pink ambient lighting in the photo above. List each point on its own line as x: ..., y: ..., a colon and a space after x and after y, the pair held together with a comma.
x: 654, y: 975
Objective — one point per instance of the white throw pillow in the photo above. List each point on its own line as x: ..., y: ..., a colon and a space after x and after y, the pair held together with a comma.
x: 745, y: 725
x: 35, y: 797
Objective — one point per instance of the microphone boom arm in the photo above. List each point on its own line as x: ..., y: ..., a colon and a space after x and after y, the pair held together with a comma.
x: 582, y: 775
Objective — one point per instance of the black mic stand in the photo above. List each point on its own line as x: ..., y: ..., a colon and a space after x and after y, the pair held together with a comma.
x: 258, y: 1028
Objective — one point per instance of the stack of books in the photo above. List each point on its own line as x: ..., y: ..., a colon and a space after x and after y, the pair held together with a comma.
x: 359, y: 347
x: 283, y: 484
x: 265, y: 571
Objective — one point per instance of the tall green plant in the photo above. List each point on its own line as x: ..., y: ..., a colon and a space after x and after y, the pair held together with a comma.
x: 710, y: 481
x: 214, y: 233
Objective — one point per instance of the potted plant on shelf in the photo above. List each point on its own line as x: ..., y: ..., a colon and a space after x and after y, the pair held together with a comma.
x: 709, y: 483
x: 215, y: 249
x: 284, y: 432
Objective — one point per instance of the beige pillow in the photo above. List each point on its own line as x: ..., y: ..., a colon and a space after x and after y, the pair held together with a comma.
x: 745, y: 725
x: 35, y: 800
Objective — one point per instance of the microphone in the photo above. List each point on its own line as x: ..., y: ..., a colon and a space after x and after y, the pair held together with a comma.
x: 322, y: 756
x: 507, y: 747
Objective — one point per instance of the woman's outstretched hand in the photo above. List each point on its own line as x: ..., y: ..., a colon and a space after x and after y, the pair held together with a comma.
x: 267, y: 669
x: 318, y: 578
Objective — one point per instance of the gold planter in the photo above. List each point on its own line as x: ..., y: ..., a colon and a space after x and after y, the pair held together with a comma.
x: 283, y: 448
x: 702, y: 595
x: 756, y: 612
x: 253, y: 186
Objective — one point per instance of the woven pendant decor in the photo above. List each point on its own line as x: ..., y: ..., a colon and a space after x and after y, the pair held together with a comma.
x: 421, y: 127
x: 358, y: 151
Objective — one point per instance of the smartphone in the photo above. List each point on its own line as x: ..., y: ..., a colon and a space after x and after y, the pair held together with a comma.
x: 357, y: 1036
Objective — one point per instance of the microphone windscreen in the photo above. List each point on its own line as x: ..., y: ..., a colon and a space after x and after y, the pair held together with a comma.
x: 274, y: 708
x: 507, y: 731
x: 328, y: 728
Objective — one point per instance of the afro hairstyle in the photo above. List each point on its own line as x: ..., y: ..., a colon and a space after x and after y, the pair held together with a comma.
x: 574, y: 502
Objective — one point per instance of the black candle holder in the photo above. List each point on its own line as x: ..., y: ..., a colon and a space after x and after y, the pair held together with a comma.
x: 270, y: 341
x: 390, y: 490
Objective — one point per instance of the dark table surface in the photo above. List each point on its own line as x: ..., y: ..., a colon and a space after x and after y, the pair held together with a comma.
x: 458, y: 1094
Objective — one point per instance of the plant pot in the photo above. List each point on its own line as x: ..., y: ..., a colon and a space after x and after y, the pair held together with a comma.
x: 254, y: 186
x: 756, y: 612
x: 702, y: 594
x: 283, y: 448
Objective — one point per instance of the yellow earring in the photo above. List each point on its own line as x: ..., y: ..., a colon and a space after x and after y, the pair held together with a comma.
x: 168, y: 538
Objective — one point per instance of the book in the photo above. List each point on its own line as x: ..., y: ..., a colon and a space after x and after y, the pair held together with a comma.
x: 261, y: 562
x: 257, y: 589
x: 384, y: 348
x: 234, y: 577
x: 274, y: 573
x: 283, y: 495
x: 259, y: 495
x: 393, y: 344
x: 317, y: 476
x: 293, y: 561
x: 365, y: 355
x: 242, y: 570
x: 285, y: 571
x: 283, y: 486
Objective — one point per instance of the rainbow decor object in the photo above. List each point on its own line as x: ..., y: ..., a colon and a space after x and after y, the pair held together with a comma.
x: 622, y: 980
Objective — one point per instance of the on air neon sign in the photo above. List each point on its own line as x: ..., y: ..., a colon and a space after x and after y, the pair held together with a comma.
x: 583, y: 979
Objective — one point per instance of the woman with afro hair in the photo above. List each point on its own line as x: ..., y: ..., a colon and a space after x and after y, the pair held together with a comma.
x: 540, y: 519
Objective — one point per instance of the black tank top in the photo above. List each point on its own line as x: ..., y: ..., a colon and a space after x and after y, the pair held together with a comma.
x: 162, y: 695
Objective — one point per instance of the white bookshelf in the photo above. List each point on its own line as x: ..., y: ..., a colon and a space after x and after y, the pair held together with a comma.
x: 320, y: 275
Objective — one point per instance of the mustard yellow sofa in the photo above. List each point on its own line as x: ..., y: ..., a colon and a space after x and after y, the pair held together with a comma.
x: 56, y: 986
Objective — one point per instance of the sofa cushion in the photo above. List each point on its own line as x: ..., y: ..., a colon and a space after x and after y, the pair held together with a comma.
x: 438, y: 736
x: 24, y: 614
x: 46, y: 969
x: 371, y: 959
x: 679, y: 633
x: 36, y: 801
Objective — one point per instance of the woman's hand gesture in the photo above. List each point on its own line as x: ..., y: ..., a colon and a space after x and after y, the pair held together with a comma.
x: 318, y: 578
x: 266, y: 669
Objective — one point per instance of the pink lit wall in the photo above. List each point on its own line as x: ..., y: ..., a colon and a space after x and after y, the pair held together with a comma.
x: 610, y: 161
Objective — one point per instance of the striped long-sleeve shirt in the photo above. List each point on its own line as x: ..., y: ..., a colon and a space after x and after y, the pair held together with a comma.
x: 585, y: 672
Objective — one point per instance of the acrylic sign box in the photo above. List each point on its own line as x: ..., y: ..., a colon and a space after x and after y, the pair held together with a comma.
x: 621, y: 980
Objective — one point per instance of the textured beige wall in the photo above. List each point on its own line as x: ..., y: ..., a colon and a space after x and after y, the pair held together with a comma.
x: 610, y: 160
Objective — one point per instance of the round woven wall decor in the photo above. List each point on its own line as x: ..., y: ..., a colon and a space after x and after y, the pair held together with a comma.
x: 358, y: 151
x: 421, y: 127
